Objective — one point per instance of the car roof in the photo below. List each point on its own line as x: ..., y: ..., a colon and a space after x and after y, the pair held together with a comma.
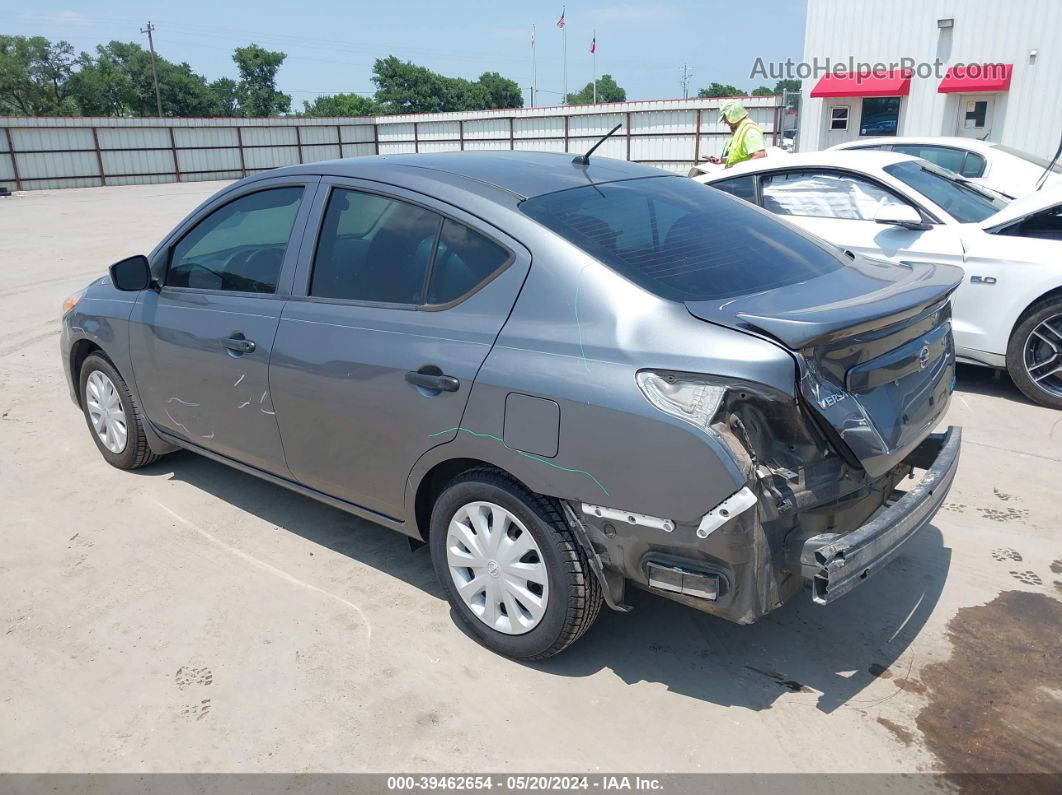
x: 856, y: 161
x: 521, y: 174
x: 973, y: 144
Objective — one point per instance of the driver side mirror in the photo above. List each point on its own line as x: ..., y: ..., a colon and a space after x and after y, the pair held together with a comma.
x: 900, y: 215
x: 131, y: 274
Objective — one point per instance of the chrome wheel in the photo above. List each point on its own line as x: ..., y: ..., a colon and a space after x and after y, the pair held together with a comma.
x: 105, y: 411
x: 497, y: 567
x: 1043, y: 355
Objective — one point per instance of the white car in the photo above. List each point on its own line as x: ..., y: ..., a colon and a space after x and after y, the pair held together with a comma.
x: 1008, y: 311
x: 1005, y: 170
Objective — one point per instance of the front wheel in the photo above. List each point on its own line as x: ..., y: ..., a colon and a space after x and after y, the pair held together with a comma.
x: 1034, y: 355
x: 113, y: 418
x: 514, y: 575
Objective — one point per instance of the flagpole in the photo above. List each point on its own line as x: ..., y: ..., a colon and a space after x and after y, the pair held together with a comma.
x: 534, y: 69
x: 595, y: 67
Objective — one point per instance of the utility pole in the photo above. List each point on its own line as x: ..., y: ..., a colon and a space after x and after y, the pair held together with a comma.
x: 154, y: 75
x: 687, y: 75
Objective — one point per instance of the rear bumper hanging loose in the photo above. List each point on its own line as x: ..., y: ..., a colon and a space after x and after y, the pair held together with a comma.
x: 836, y: 564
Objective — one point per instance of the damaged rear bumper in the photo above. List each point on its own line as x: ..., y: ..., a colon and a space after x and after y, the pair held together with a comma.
x: 835, y: 564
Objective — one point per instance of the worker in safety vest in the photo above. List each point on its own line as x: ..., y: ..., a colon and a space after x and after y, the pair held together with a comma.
x: 746, y: 143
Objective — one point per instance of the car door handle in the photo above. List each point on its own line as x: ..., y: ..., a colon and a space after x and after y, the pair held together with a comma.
x: 433, y: 380
x: 239, y: 345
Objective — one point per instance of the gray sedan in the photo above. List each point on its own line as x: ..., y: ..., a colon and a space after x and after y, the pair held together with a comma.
x: 563, y: 376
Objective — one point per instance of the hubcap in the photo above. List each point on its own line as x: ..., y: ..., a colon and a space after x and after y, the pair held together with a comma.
x: 105, y: 411
x: 1043, y: 355
x: 497, y: 567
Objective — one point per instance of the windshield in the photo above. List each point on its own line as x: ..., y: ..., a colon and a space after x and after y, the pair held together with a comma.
x: 1040, y: 162
x: 964, y: 202
x: 680, y: 240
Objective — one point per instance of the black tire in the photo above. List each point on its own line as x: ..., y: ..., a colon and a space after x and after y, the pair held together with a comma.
x: 575, y: 594
x: 136, y: 452
x: 1036, y: 315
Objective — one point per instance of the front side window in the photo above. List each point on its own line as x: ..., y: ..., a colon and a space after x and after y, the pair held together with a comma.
x: 674, y: 238
x: 742, y: 187
x: 881, y: 116
x: 374, y: 249
x: 1045, y: 225
x: 943, y: 156
x: 824, y: 195
x: 963, y: 202
x: 238, y: 247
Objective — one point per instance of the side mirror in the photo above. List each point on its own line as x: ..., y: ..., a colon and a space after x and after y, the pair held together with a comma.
x: 131, y: 274
x: 900, y: 215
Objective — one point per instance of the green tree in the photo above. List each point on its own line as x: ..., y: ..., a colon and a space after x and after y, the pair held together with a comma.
x: 504, y: 93
x: 719, y: 90
x: 119, y: 82
x: 225, y: 97
x: 786, y: 85
x: 763, y: 91
x: 35, y: 76
x: 608, y: 90
x: 341, y: 105
x: 257, y: 89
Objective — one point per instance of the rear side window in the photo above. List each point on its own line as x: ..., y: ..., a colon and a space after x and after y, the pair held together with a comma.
x: 463, y: 261
x: 824, y: 195
x: 943, y: 156
x: 973, y: 166
x: 742, y: 187
x: 680, y: 241
x: 238, y: 247
x: 374, y: 249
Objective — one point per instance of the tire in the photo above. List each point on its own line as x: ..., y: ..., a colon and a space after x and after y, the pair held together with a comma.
x: 132, y: 452
x: 572, y: 592
x: 1030, y: 330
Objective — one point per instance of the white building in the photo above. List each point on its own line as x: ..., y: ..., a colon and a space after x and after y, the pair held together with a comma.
x: 989, y: 69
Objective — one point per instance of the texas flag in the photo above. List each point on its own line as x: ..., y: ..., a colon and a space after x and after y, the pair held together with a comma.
x: 593, y: 45
x: 560, y: 22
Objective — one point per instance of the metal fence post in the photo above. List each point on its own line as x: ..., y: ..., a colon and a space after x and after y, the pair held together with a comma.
x: 239, y: 144
x: 99, y: 157
x: 173, y: 148
x: 697, y: 140
x: 298, y: 140
x: 14, y: 162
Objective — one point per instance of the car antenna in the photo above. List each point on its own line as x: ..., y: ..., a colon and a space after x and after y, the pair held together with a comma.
x: 584, y: 160
x: 1043, y: 177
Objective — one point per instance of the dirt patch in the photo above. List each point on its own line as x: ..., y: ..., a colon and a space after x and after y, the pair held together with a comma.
x: 993, y: 706
x: 1056, y: 566
x: 903, y: 735
x: 911, y: 685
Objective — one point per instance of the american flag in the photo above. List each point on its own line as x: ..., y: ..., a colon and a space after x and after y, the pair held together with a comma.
x: 560, y: 22
x: 593, y: 45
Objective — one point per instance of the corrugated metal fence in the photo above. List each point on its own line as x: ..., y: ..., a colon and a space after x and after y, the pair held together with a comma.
x: 58, y: 152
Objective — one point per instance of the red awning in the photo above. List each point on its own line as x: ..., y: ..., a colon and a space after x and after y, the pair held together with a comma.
x: 864, y: 84
x: 976, y: 77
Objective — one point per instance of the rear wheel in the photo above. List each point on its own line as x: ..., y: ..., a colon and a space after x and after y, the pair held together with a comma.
x: 516, y: 578
x: 113, y: 418
x: 1034, y: 356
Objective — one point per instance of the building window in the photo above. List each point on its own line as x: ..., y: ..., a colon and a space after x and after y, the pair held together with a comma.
x: 839, y: 117
x: 881, y: 116
x: 976, y: 111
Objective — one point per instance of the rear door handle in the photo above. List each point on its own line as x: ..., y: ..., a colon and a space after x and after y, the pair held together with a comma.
x: 433, y: 380
x: 239, y: 344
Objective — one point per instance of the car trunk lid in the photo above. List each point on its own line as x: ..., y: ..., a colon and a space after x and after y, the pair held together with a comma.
x: 874, y: 344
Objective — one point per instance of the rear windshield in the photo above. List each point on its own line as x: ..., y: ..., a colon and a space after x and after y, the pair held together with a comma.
x: 681, y: 240
x: 964, y: 202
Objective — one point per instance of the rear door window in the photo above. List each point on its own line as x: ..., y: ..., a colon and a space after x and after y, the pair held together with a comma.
x: 678, y: 240
x: 373, y: 249
x: 464, y: 260
x: 240, y: 246
x: 824, y: 195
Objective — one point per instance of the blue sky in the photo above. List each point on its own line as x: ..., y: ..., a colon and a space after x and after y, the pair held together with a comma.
x: 331, y: 46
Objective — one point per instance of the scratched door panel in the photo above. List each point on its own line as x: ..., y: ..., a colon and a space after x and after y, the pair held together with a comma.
x: 194, y: 387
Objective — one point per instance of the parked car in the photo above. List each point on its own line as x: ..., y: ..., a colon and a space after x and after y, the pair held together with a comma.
x: 1002, y: 168
x: 1008, y: 312
x: 549, y: 371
